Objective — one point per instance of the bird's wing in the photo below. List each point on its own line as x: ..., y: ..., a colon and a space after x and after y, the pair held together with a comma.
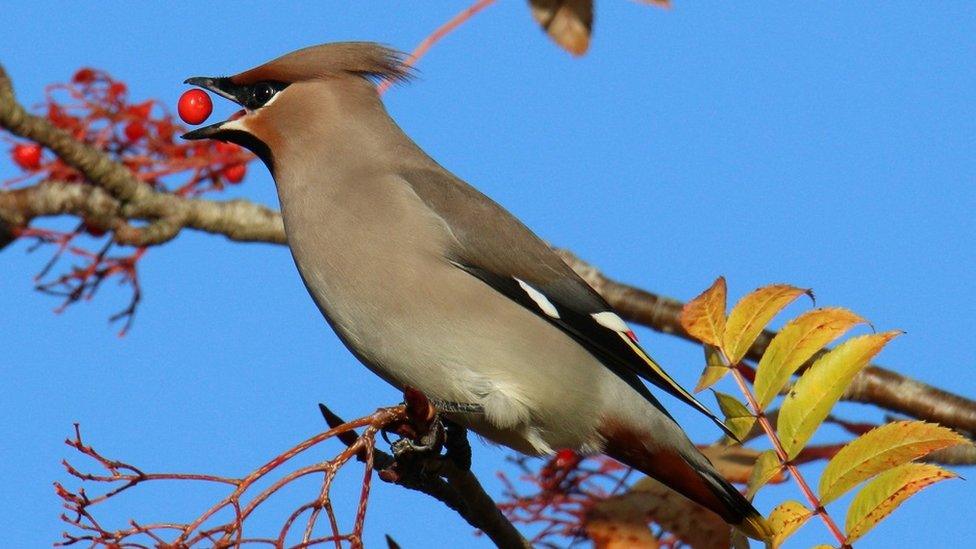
x: 495, y: 247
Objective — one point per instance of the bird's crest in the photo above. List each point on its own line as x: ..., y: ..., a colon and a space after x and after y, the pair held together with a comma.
x: 365, y: 59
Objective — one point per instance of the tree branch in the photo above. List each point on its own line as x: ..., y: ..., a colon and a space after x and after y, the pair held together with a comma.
x: 874, y: 385
x: 124, y: 198
x: 442, y: 478
x: 238, y: 220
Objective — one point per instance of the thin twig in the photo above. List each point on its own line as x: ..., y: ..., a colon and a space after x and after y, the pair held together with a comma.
x: 434, y: 37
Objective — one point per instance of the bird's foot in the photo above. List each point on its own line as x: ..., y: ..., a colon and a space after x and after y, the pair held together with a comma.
x: 426, y: 433
x: 429, y: 442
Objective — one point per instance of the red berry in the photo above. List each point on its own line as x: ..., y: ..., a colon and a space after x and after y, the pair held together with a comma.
x: 83, y: 76
x: 164, y: 130
x: 234, y: 173
x: 227, y: 148
x: 141, y: 110
x: 27, y: 156
x: 134, y: 131
x: 116, y: 89
x: 94, y: 230
x: 194, y: 106
x: 565, y: 458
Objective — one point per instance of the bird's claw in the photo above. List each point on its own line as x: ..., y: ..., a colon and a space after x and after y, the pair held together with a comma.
x: 426, y: 443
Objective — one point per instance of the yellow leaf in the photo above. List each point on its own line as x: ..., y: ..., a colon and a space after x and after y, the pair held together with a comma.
x: 787, y: 518
x: 715, y: 368
x: 885, y: 493
x: 822, y: 546
x: 820, y: 387
x: 881, y: 449
x: 795, y: 344
x: 766, y: 469
x: 568, y: 22
x: 704, y: 316
x: 752, y: 313
x: 737, y: 417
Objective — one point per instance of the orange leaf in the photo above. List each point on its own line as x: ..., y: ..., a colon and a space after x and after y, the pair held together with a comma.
x: 752, y: 313
x: 704, y: 316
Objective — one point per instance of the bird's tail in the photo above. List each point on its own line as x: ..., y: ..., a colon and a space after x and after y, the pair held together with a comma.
x: 691, y: 475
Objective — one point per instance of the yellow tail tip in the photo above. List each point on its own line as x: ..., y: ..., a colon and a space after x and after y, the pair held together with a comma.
x: 755, y: 527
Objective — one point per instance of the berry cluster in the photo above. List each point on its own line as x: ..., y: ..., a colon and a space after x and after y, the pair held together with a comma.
x: 96, y: 109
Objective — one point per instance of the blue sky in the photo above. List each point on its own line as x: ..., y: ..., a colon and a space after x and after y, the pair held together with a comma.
x: 825, y: 145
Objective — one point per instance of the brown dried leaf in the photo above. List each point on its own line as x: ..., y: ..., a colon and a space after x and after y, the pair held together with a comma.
x: 690, y: 522
x: 735, y: 463
x: 568, y: 22
x: 704, y: 316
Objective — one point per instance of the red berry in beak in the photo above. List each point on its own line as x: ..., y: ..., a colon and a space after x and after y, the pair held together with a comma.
x: 194, y: 106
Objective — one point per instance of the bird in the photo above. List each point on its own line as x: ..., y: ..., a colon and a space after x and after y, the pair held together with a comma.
x: 434, y: 286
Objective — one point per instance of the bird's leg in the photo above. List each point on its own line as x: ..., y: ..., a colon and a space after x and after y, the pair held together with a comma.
x: 426, y: 431
x: 429, y: 442
x: 422, y: 432
x: 456, y: 447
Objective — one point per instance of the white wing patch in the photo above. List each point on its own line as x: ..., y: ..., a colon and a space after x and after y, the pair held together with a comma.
x: 539, y: 298
x: 611, y: 320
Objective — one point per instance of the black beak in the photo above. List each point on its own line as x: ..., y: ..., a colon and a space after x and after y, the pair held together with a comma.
x: 221, y: 86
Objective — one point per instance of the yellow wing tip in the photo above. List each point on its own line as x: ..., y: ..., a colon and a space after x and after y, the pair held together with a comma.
x: 756, y: 527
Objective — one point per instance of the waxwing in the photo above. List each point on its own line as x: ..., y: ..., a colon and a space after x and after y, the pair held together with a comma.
x: 434, y: 286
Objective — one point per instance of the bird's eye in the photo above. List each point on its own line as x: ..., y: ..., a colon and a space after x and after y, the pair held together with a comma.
x: 263, y: 92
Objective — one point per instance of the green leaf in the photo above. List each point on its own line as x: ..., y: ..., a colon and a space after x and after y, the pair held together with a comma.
x: 799, y: 340
x: 737, y: 417
x: 715, y: 368
x: 885, y: 493
x: 787, y: 518
x: 751, y: 314
x: 766, y: 469
x: 704, y: 316
x: 816, y: 392
x: 881, y: 449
